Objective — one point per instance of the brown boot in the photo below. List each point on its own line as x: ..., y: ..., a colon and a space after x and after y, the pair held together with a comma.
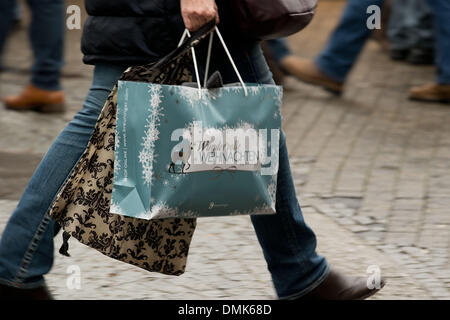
x: 336, y: 286
x: 432, y: 92
x: 305, y: 70
x: 12, y: 293
x: 32, y: 98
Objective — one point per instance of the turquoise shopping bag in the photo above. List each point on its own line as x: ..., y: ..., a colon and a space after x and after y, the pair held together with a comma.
x: 183, y: 151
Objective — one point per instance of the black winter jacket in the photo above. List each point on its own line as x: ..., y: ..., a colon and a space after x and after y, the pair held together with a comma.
x: 134, y: 32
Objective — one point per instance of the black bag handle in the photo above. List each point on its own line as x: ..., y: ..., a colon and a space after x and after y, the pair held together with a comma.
x: 195, y: 38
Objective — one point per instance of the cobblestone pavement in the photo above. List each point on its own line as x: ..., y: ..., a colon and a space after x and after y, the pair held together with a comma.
x: 372, y: 172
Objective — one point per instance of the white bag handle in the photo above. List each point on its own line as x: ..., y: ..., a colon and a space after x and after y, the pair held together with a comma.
x: 208, y: 59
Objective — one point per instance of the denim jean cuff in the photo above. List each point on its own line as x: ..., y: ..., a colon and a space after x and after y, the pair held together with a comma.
x: 46, y: 81
x: 443, y: 80
x: 18, y: 285
x: 328, y: 70
x: 311, y: 287
x: 278, y: 49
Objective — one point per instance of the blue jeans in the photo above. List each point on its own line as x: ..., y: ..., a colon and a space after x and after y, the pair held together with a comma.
x: 278, y: 48
x: 441, y: 10
x: 410, y: 25
x: 46, y: 33
x: 347, y: 40
x: 26, y: 246
x: 17, y: 12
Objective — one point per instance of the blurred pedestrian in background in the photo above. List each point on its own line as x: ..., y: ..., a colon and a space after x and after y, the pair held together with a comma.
x: 46, y: 33
x: 438, y: 91
x: 331, y: 67
x: 410, y: 32
x: 279, y: 57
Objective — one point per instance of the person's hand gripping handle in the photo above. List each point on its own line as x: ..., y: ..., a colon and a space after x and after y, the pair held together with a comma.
x: 196, y: 13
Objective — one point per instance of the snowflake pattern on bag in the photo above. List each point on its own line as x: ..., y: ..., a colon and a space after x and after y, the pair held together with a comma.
x: 147, y: 154
x: 154, y: 178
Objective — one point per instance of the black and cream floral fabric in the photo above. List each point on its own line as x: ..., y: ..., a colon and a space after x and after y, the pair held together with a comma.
x: 82, y: 204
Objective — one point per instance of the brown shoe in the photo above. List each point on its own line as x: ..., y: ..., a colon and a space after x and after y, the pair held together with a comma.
x: 336, y: 286
x: 32, y: 98
x: 12, y: 293
x: 305, y: 70
x: 432, y: 92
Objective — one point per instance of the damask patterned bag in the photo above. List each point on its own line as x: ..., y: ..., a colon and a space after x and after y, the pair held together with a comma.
x: 82, y: 205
